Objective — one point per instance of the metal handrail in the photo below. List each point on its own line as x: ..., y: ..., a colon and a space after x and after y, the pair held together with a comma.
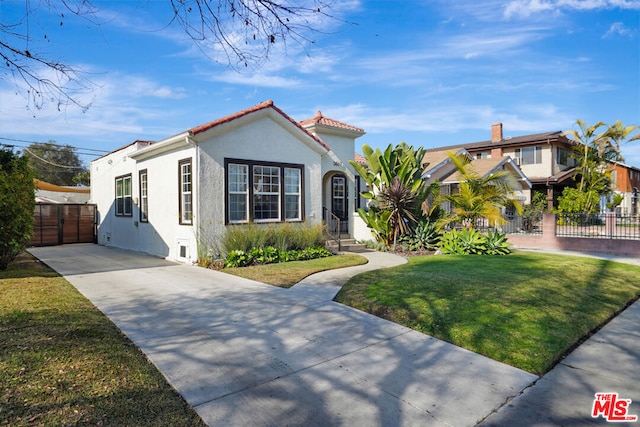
x: 334, y: 232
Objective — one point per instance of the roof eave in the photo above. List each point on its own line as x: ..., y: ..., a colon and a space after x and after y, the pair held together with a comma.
x: 169, y: 144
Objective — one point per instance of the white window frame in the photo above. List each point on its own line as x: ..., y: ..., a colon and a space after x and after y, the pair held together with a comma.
x: 267, y: 184
x: 240, y: 191
x: 123, y: 208
x: 185, y: 191
x: 292, y: 190
x: 537, y: 155
x: 144, y: 195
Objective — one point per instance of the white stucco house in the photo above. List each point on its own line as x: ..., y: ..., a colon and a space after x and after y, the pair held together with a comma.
x: 257, y: 165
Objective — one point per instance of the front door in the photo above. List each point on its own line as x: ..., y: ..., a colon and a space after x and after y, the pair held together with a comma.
x: 339, y: 201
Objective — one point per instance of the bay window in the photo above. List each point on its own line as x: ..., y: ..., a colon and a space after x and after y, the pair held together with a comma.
x: 263, y: 191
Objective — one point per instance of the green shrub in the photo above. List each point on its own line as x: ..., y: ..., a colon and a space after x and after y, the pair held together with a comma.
x: 270, y: 255
x: 16, y: 205
x: 266, y: 255
x: 497, y: 244
x: 424, y: 237
x: 237, y: 258
x: 283, y: 237
x: 471, y: 241
x: 244, y: 237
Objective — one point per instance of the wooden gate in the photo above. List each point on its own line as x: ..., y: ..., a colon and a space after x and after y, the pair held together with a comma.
x: 56, y: 224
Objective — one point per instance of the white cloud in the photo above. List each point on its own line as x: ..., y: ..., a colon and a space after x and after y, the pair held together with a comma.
x: 619, y: 29
x: 119, y: 105
x: 526, y: 8
x: 519, y: 119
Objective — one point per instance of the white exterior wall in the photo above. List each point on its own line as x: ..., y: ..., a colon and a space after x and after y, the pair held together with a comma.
x: 361, y: 232
x: 337, y: 161
x: 161, y: 234
x: 261, y: 140
x: 263, y: 136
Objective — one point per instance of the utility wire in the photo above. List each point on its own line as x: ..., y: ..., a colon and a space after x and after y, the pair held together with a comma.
x: 54, y: 144
x: 53, y: 164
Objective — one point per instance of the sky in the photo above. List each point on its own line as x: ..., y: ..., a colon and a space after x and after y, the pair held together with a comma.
x: 428, y: 72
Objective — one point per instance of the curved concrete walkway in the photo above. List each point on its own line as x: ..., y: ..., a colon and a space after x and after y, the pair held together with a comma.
x: 245, y: 353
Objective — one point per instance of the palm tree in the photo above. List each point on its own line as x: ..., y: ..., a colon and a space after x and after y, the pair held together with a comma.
x: 618, y: 133
x: 592, y: 151
x: 480, y: 197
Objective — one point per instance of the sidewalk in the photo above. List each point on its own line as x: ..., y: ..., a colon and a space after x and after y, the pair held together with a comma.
x: 245, y: 353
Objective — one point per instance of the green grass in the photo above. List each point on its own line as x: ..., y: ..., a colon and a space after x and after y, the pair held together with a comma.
x: 63, y: 363
x: 287, y: 274
x: 524, y: 309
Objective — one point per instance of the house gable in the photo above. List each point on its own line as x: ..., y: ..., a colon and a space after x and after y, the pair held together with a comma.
x: 230, y: 123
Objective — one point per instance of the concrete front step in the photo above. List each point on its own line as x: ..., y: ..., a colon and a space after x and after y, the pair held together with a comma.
x: 346, y: 245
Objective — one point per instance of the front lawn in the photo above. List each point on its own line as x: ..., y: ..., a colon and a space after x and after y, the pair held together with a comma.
x: 524, y: 309
x: 287, y: 274
x: 62, y: 362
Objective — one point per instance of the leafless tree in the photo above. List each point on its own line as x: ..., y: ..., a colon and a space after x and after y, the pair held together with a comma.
x: 238, y: 32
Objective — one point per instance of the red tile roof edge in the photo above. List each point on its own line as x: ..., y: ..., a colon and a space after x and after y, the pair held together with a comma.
x: 263, y: 105
x: 320, y: 119
x: 359, y: 158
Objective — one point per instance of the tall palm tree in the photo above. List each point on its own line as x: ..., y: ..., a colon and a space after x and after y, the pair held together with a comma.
x: 592, y: 151
x: 480, y: 197
x: 618, y: 133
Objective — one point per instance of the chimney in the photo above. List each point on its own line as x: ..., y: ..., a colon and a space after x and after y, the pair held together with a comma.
x: 496, y: 132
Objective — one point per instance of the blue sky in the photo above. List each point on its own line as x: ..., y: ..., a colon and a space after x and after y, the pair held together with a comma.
x: 428, y: 72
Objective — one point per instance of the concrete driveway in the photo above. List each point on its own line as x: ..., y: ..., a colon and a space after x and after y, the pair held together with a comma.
x: 245, y: 353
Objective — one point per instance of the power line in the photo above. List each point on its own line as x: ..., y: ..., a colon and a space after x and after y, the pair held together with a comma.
x: 54, y: 144
x: 51, y: 163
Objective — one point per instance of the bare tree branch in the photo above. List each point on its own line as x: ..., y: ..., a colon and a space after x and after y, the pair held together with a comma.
x: 240, y: 33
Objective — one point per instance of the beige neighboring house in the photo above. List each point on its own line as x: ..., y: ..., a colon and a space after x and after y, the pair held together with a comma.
x: 442, y: 169
x: 544, y: 158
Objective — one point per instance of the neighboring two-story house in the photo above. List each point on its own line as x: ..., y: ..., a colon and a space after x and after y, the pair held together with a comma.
x: 544, y: 158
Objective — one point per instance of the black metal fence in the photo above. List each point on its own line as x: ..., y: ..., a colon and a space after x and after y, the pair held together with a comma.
x: 602, y: 226
x: 515, y: 224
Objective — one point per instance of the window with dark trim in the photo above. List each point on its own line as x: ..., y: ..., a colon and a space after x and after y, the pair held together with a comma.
x: 123, y: 196
x: 263, y: 191
x: 292, y: 194
x: 144, y: 195
x: 185, y: 195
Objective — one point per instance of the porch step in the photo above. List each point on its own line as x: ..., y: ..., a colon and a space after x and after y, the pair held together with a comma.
x: 346, y: 245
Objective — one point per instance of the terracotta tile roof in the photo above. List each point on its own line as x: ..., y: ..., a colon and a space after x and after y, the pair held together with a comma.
x: 322, y: 120
x: 263, y: 105
x: 359, y: 158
